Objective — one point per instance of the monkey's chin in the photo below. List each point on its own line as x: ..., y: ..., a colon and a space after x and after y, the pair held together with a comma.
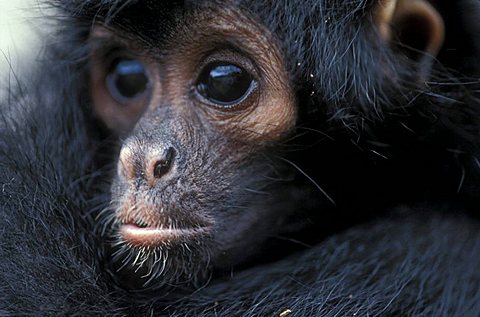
x: 152, y: 237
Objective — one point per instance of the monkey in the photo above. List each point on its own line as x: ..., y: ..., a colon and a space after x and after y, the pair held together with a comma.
x: 245, y: 158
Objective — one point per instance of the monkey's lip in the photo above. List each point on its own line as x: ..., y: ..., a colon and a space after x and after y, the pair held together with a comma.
x: 155, y: 236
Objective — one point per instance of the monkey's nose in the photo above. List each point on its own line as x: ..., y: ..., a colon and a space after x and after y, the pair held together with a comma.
x: 150, y: 164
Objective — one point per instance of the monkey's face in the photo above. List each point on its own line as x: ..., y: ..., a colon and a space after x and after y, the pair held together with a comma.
x: 198, y: 115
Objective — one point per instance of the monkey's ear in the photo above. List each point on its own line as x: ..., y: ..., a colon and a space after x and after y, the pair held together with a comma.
x: 413, y: 24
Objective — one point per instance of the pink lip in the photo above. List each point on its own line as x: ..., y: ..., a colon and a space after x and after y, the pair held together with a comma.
x: 153, y: 237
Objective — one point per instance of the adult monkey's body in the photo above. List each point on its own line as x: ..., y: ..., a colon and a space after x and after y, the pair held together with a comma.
x: 210, y: 174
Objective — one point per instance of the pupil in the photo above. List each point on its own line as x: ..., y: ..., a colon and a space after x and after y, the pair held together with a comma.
x: 224, y: 84
x: 127, y: 80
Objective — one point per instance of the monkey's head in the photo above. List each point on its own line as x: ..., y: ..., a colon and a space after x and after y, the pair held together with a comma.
x: 199, y: 116
x: 204, y: 95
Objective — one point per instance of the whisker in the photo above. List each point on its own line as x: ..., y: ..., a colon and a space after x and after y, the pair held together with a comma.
x: 310, y: 179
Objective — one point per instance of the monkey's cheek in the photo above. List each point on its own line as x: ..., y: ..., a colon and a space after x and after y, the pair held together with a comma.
x: 158, y: 237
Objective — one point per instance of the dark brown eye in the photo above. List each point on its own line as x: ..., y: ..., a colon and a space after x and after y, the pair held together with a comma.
x: 127, y: 80
x: 225, y: 84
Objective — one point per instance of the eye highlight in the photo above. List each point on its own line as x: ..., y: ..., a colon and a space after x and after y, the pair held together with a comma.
x: 224, y: 84
x: 127, y: 80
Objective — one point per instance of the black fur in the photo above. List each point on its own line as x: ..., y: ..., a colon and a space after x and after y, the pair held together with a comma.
x: 375, y: 143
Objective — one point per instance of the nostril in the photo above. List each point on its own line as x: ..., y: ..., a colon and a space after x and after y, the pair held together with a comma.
x: 164, y: 165
x: 161, y: 168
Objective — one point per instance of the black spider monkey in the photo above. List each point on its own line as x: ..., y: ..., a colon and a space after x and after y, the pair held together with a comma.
x: 279, y: 158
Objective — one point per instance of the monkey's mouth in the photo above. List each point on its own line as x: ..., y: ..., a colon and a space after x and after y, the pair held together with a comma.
x: 143, y: 235
x: 148, y: 226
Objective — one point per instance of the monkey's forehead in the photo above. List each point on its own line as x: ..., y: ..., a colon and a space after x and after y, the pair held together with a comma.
x: 281, y: 16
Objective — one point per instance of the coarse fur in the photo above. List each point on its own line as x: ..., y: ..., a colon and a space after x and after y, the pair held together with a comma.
x: 394, y: 156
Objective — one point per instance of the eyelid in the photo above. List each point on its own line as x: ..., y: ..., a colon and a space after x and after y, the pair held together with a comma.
x: 228, y: 56
x: 109, y: 52
x: 114, y: 55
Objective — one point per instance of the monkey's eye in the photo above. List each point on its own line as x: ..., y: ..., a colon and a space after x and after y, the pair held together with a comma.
x: 225, y: 84
x: 127, y: 80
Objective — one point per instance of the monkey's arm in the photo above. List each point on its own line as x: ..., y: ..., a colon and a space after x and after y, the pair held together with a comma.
x: 48, y: 259
x: 402, y: 266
